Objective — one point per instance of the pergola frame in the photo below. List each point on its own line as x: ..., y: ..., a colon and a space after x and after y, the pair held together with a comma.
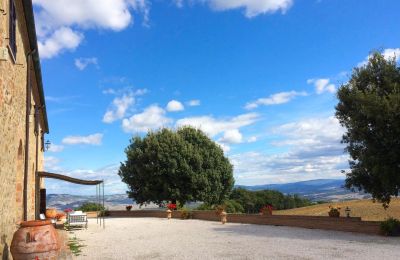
x: 99, y: 190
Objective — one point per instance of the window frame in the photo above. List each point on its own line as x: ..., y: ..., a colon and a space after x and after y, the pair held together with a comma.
x: 12, y: 30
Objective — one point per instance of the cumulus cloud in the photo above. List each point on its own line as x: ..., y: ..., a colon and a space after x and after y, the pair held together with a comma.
x: 77, y: 16
x: 118, y: 108
x: 153, y: 117
x: 213, y: 126
x: 275, y: 99
x: 322, y: 85
x: 51, y: 163
x: 175, y: 106
x: 314, y: 152
x: 388, y: 54
x: 93, y: 139
x: 54, y: 148
x: 82, y: 63
x: 252, y: 139
x: 61, y: 39
x: 251, y: 8
x: 193, y: 103
x: 231, y: 136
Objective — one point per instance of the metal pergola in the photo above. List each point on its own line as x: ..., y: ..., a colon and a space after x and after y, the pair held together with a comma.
x: 100, y: 214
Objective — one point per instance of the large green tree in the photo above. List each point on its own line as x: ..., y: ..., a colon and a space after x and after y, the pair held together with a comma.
x: 369, y: 107
x: 183, y: 165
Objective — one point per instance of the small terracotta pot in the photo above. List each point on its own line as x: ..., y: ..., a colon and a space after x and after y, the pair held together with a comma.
x: 51, y: 213
x: 35, y: 239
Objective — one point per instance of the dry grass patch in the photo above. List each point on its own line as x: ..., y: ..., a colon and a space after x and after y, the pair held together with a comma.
x: 365, y: 209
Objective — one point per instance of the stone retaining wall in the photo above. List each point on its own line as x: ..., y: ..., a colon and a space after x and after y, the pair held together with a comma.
x: 319, y: 222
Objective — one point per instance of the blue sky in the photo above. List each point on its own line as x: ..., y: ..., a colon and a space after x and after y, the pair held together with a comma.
x: 258, y: 76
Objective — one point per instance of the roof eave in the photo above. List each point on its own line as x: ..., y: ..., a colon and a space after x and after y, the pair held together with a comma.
x: 30, y: 23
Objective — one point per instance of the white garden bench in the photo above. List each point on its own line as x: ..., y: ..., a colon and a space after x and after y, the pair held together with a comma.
x: 77, y: 218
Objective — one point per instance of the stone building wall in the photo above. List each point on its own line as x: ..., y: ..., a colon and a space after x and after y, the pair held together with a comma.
x: 13, y: 82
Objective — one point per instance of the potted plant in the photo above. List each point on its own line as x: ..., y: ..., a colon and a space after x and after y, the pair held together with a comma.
x: 334, y: 212
x: 219, y: 209
x: 128, y: 208
x: 171, y: 207
x: 267, y: 210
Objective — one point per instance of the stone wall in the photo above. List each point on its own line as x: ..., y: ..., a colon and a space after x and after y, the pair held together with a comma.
x: 326, y: 223
x: 13, y: 82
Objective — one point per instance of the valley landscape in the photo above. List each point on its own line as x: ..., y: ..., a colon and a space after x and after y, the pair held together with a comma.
x: 329, y: 190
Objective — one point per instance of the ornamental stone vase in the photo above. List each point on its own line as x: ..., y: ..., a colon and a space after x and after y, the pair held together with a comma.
x: 36, y: 239
x: 169, y: 214
x: 223, y: 217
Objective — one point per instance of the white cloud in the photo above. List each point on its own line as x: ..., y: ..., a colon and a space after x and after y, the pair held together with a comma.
x: 226, y: 148
x: 231, y: 136
x: 82, y: 63
x: 314, y: 152
x: 251, y: 7
x: 51, y: 163
x: 193, y: 103
x: 52, y: 15
x: 388, y: 54
x: 94, y: 139
x: 174, y: 106
x: 54, y: 148
x: 153, y: 117
x: 213, y: 126
x: 118, y: 108
x: 275, y: 99
x: 252, y: 139
x: 322, y: 85
x: 63, y: 38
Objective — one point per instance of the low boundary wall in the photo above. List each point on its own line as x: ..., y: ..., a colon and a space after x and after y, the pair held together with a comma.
x: 317, y: 222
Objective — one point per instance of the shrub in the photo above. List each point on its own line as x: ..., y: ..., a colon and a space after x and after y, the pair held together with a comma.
x: 205, y: 206
x: 129, y: 207
x: 186, y: 214
x: 90, y: 206
x: 390, y: 227
x: 232, y: 206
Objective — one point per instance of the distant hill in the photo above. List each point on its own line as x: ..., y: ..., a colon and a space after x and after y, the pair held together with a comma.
x: 115, y: 202
x: 315, y: 190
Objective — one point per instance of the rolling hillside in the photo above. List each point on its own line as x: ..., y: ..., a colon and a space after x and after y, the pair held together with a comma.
x: 365, y: 209
x: 315, y: 190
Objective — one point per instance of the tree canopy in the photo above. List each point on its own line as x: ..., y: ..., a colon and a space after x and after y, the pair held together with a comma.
x: 369, y: 107
x: 183, y: 165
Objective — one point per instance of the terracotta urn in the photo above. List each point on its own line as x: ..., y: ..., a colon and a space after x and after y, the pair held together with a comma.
x: 51, y: 213
x: 35, y: 239
x: 223, y: 217
x: 169, y: 214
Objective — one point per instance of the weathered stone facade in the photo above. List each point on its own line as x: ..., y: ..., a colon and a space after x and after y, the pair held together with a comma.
x: 13, y: 109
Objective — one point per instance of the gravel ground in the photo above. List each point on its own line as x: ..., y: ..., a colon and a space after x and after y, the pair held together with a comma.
x: 154, y: 238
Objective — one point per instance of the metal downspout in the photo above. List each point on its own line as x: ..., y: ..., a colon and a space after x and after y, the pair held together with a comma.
x: 28, y: 112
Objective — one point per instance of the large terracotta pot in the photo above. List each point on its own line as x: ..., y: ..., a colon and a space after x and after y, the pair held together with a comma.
x: 35, y: 239
x: 51, y: 213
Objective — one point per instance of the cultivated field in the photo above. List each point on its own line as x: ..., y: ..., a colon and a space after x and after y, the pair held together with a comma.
x: 365, y: 209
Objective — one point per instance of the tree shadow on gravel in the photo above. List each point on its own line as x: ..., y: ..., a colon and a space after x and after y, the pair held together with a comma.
x: 303, y: 234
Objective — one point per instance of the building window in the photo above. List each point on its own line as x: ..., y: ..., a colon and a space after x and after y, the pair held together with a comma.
x: 13, y: 26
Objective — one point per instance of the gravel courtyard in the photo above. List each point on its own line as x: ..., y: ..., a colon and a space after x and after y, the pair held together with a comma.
x: 154, y: 238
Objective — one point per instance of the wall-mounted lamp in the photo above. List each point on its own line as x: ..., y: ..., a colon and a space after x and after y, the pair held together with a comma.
x: 47, y: 145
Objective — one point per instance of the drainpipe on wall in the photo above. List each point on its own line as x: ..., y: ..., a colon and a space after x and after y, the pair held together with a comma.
x: 37, y: 180
x: 28, y: 113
